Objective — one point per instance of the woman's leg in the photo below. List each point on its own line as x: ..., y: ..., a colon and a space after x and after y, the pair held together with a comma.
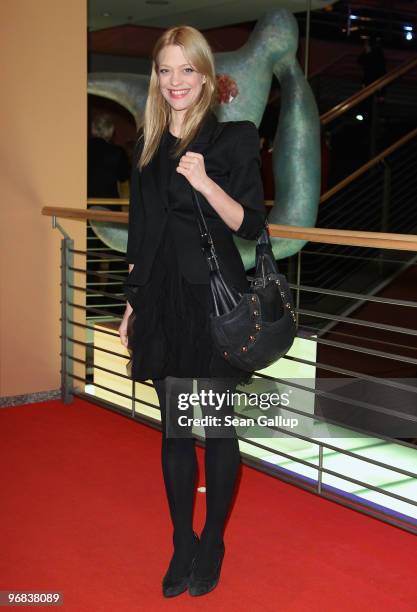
x: 222, y: 464
x: 179, y: 467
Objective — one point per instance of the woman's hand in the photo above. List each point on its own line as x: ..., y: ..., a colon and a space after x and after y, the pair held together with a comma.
x: 191, y: 165
x: 123, y: 325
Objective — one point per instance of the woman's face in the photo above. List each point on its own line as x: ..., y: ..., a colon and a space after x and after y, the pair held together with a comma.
x: 179, y: 81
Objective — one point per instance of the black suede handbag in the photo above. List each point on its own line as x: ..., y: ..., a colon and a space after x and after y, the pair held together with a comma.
x: 254, y: 329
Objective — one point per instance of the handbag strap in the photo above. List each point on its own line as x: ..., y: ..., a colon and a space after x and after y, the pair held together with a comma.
x: 207, y: 244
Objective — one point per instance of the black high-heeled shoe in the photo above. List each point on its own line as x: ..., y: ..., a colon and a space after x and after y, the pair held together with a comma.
x: 200, y: 585
x: 170, y: 587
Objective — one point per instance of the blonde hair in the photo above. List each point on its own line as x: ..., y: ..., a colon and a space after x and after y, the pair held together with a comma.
x: 157, y: 110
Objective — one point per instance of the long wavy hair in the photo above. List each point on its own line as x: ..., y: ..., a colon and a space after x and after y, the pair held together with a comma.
x: 157, y: 112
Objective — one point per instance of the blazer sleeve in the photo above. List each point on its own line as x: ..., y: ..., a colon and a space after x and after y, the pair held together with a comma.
x: 245, y: 181
x: 136, y: 214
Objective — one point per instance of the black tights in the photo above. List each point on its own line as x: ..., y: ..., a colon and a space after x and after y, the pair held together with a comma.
x: 179, y: 467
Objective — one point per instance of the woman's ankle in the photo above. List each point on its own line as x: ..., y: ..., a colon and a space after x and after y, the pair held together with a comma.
x: 183, y: 537
x: 211, y: 538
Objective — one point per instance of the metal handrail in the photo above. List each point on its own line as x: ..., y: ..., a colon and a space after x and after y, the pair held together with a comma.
x: 72, y: 381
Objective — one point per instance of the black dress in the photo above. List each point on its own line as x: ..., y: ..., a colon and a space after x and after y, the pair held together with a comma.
x: 168, y: 330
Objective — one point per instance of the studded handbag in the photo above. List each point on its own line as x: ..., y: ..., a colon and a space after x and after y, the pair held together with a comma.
x: 252, y: 329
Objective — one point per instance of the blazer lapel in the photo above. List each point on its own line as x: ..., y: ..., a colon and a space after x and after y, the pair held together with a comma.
x: 205, y: 133
x: 155, y: 175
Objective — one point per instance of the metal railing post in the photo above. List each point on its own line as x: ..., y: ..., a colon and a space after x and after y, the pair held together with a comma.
x: 320, y: 475
x: 297, y: 303
x: 133, y: 399
x: 386, y: 196
x: 66, y: 315
x: 374, y: 125
x: 386, y: 200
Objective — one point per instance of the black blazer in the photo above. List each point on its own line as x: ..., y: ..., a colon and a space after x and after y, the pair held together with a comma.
x: 232, y: 159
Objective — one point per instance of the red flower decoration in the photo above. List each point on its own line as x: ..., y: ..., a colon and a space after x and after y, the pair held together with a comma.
x: 226, y: 88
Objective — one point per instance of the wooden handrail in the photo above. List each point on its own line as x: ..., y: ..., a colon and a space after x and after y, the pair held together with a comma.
x: 107, y: 201
x: 379, y: 240
x: 364, y: 93
x: 405, y: 242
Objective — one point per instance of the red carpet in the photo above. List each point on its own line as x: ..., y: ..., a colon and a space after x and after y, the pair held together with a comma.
x: 84, y: 512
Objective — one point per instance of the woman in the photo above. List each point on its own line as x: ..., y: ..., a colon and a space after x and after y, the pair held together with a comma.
x: 181, y: 146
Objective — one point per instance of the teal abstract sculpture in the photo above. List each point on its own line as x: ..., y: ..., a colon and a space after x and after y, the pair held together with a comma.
x: 270, y: 49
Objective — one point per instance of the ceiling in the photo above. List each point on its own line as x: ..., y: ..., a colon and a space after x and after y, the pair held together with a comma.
x: 201, y: 14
